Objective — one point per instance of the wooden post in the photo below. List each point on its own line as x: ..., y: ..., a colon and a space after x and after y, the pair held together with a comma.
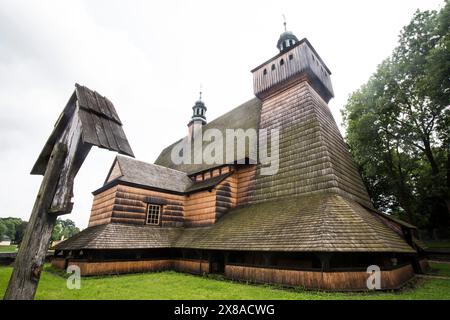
x: 81, y: 125
x: 31, y: 256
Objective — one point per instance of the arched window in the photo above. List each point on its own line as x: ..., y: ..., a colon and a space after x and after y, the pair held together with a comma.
x: 281, y: 62
x: 265, y: 72
x: 273, y: 66
x: 291, y: 56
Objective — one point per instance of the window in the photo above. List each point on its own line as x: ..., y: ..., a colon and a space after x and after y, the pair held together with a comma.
x: 281, y: 62
x: 291, y: 56
x: 273, y: 67
x: 153, y: 214
x: 265, y: 72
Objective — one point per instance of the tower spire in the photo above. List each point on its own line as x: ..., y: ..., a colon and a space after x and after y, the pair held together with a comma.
x: 199, y: 109
x: 287, y: 38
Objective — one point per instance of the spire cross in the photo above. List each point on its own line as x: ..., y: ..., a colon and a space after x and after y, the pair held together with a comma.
x: 284, y: 18
x: 201, y: 87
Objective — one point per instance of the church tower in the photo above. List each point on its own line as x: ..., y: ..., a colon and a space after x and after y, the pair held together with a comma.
x: 198, y: 118
x: 295, y: 88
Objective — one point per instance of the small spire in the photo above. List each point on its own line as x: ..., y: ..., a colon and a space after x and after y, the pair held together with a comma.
x: 284, y: 23
x: 201, y: 88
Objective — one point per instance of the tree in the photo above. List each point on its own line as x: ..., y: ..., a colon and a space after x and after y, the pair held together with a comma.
x: 20, y: 231
x: 64, y: 228
x: 9, y: 225
x: 397, y: 124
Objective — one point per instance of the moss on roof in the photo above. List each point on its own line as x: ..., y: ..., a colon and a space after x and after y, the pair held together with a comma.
x: 320, y: 223
x: 245, y: 116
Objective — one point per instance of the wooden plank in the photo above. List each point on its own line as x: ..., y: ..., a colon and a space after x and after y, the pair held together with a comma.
x: 30, y: 258
x: 81, y: 97
x: 89, y: 135
x: 121, y: 139
x: 112, y: 110
x: 76, y: 153
x: 92, y: 101
x: 102, y: 105
x: 109, y: 134
x: 100, y: 131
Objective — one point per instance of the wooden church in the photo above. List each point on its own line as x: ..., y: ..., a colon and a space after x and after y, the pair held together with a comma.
x: 310, y: 224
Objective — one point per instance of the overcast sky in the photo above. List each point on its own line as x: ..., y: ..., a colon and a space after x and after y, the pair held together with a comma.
x: 150, y: 57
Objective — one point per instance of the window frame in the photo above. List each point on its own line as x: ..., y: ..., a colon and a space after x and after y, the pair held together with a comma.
x: 158, y: 217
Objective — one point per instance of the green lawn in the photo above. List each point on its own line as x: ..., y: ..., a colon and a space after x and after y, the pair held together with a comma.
x: 11, y: 248
x: 440, y: 268
x: 172, y: 285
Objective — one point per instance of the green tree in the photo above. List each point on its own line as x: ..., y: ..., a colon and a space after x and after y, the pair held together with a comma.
x: 398, y: 124
x: 64, y: 228
x: 8, y: 225
x: 20, y: 232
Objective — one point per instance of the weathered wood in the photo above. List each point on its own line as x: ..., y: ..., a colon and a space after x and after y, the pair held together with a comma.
x: 30, y: 258
x: 80, y: 125
x: 76, y: 153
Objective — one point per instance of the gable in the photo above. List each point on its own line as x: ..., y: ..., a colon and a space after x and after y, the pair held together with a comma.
x: 114, y: 173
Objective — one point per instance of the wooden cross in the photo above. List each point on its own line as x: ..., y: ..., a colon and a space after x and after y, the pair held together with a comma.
x: 88, y: 119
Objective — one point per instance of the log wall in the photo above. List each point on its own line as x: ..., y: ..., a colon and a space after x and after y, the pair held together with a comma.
x: 245, y: 177
x: 200, y: 208
x: 88, y: 268
x: 102, y: 207
x: 339, y: 281
x: 226, y: 195
x: 126, y: 204
x: 131, y: 206
x: 59, y: 263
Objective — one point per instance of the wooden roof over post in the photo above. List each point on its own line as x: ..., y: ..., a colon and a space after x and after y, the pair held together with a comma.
x: 100, y: 123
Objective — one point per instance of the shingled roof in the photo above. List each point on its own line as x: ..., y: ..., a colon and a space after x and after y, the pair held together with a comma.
x: 245, y: 116
x: 142, y: 174
x: 149, y: 175
x: 320, y: 223
x: 100, y: 123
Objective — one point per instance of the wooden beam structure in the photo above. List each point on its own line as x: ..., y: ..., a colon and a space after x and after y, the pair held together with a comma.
x: 87, y: 120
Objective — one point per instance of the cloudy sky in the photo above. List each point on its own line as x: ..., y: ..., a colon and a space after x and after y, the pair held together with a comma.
x: 150, y: 57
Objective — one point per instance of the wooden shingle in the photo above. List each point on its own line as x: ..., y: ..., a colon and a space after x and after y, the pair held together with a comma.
x: 100, y: 123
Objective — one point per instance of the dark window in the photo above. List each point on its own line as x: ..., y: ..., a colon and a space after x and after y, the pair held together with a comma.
x: 273, y: 67
x: 281, y: 62
x: 265, y: 72
x: 153, y: 214
x: 291, y: 56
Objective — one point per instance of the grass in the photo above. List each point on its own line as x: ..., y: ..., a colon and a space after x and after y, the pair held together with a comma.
x: 438, y: 244
x: 440, y: 268
x: 10, y: 248
x: 172, y: 285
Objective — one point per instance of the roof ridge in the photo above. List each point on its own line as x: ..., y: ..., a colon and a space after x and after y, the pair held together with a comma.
x: 382, y: 239
x: 149, y: 163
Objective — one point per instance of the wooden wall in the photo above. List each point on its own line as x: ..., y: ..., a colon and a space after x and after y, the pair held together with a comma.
x: 344, y: 280
x: 102, y: 207
x: 88, y: 268
x: 59, y: 263
x: 226, y: 195
x: 126, y: 204
x: 245, y: 177
x: 131, y: 205
x: 200, y: 208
